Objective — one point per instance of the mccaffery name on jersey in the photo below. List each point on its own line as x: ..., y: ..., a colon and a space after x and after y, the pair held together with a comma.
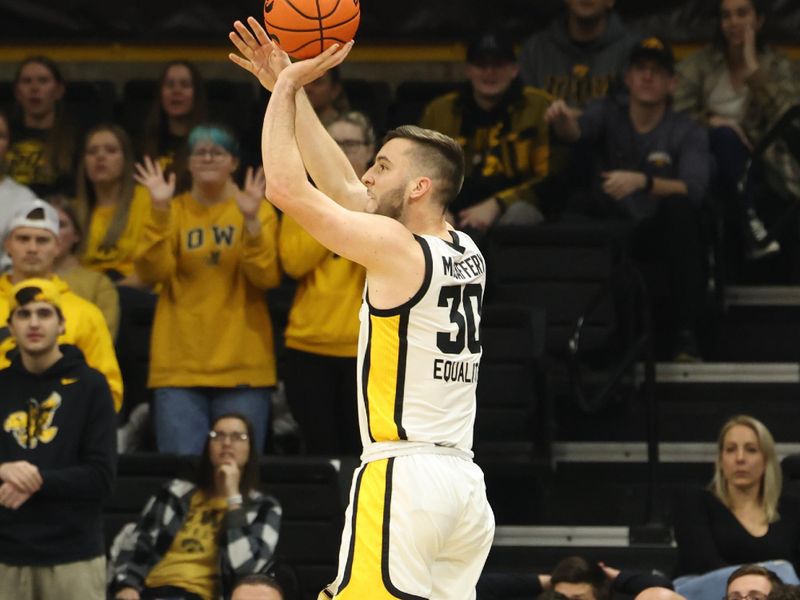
x: 419, y: 362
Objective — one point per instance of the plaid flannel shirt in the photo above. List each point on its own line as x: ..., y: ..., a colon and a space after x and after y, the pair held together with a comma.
x: 247, y: 539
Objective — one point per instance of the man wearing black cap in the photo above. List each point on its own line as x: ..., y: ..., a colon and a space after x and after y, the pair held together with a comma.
x: 57, y: 456
x: 500, y: 124
x: 654, y: 170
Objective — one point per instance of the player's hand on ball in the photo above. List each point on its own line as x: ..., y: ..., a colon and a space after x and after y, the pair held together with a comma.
x: 149, y: 174
x: 305, y: 71
x: 262, y: 57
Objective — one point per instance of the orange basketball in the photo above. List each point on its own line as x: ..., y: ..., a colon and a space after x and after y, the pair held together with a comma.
x: 304, y: 28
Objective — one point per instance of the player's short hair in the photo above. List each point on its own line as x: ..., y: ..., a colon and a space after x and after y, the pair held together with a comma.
x: 576, y: 569
x: 438, y: 152
x: 260, y: 579
x: 753, y: 569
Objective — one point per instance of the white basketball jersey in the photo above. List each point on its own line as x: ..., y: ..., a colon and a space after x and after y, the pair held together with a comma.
x: 418, y: 363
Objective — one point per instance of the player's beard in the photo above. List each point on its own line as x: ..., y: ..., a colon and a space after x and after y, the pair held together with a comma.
x: 392, y: 203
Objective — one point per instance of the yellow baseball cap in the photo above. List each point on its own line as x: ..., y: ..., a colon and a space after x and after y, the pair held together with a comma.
x: 34, y: 290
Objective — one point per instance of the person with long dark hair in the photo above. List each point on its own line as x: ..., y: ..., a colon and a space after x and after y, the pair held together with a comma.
x: 44, y: 137
x: 179, y: 105
x: 194, y: 539
x: 739, y: 87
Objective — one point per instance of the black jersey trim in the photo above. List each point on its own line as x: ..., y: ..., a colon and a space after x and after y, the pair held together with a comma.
x: 402, y: 356
x: 348, y: 569
x: 426, y: 282
x: 387, y: 512
x: 365, y: 378
x: 456, y: 243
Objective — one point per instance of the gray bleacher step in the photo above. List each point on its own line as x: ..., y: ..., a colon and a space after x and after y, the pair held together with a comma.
x: 725, y: 372
x: 561, y: 535
x: 542, y: 559
x: 636, y: 452
x: 762, y: 295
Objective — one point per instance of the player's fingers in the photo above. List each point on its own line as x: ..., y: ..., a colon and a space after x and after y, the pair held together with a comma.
x: 340, y: 54
x: 242, y: 62
x: 240, y: 44
x: 244, y: 32
x: 259, y: 32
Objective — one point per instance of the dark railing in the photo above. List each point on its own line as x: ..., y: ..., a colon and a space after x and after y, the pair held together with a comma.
x: 637, y: 347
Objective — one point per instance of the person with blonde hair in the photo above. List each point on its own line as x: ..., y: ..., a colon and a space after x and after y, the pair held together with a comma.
x: 110, y: 207
x: 741, y: 518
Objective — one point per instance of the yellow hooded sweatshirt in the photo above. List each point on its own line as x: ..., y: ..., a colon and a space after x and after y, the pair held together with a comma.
x: 84, y: 327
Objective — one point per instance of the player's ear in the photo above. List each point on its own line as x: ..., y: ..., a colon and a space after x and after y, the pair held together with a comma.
x: 419, y: 187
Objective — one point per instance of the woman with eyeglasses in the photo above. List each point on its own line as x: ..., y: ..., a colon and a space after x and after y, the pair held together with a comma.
x: 322, y: 333
x: 741, y: 518
x: 213, y: 252
x: 193, y: 540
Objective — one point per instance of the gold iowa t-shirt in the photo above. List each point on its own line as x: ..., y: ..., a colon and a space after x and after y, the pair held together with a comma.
x: 191, y: 563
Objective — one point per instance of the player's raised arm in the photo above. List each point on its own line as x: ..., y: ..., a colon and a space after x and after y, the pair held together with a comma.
x: 379, y: 243
x: 325, y: 162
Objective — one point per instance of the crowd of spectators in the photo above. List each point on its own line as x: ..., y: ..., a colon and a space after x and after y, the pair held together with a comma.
x: 590, y: 121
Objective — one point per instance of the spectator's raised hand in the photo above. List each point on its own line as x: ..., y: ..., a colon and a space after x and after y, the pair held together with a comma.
x: 11, y: 497
x: 750, y: 51
x: 262, y: 57
x: 250, y: 197
x: 480, y: 216
x: 564, y: 120
x: 149, y: 174
x: 22, y: 475
x: 619, y: 184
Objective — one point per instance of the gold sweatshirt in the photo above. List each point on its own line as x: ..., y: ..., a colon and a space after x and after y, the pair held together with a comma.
x: 212, y: 327
x: 324, y: 315
x: 120, y: 257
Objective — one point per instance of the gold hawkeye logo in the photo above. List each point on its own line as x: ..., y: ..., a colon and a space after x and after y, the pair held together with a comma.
x: 36, y: 424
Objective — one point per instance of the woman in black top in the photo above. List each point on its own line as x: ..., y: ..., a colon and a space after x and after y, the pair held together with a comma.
x: 740, y: 518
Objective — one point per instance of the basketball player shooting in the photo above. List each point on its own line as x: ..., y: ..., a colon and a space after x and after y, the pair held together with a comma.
x: 418, y: 525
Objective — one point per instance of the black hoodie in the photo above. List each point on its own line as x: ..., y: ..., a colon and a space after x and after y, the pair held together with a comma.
x: 73, y: 443
x: 576, y: 72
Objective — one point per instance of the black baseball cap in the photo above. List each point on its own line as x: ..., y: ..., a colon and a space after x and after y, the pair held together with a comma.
x: 491, y: 46
x: 654, y: 49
